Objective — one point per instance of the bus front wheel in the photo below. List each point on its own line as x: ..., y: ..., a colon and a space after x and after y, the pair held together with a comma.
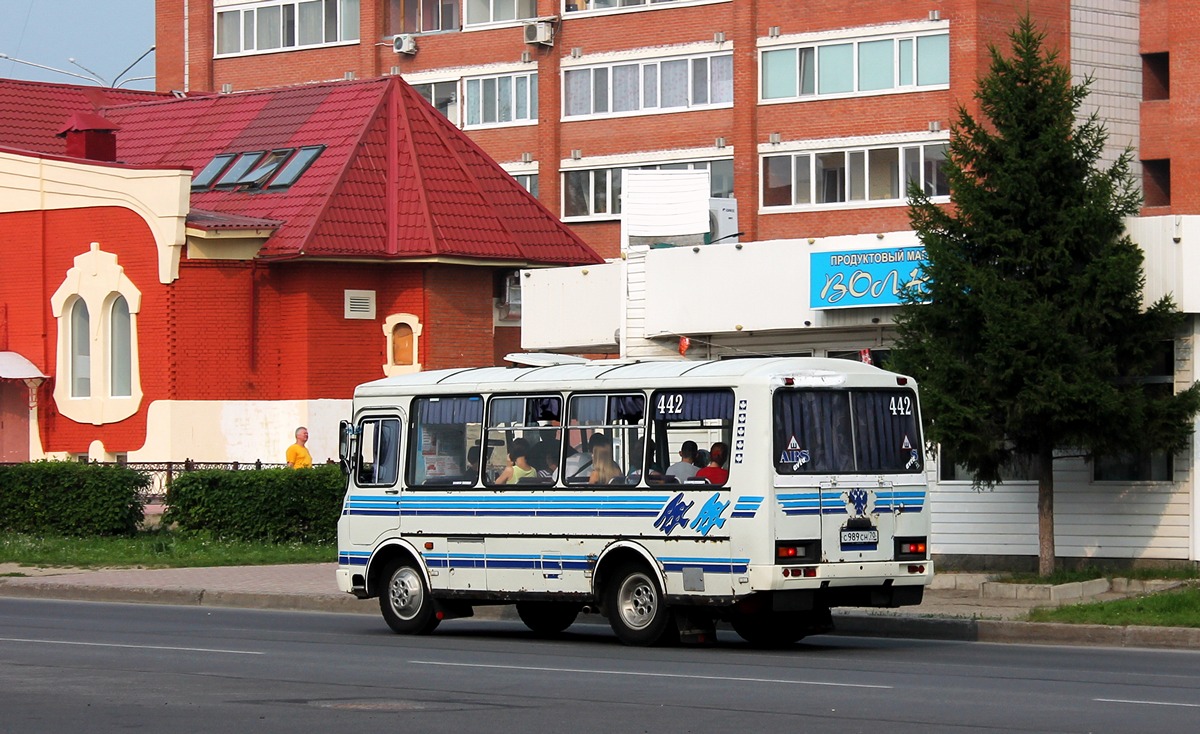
x: 405, y: 601
x: 547, y: 617
x: 635, y: 607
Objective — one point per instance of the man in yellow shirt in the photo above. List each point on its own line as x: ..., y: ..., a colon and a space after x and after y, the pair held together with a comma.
x: 298, y: 456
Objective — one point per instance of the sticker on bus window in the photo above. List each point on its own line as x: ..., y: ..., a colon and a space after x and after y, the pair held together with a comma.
x: 907, y: 445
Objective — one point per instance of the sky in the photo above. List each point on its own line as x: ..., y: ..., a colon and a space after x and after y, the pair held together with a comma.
x: 103, y: 35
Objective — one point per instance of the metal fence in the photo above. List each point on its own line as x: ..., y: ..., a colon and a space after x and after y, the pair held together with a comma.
x: 162, y: 473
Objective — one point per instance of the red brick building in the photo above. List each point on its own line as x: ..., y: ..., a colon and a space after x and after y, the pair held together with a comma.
x: 226, y: 277
x: 813, y: 116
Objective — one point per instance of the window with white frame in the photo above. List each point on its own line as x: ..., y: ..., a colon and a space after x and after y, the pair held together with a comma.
x: 596, y: 192
x: 285, y: 24
x: 574, y: 6
x: 856, y: 66
x: 528, y: 181
x: 658, y: 84
x: 869, y: 175
x: 476, y: 12
x: 422, y: 16
x: 443, y: 96
x: 96, y: 309
x: 504, y: 99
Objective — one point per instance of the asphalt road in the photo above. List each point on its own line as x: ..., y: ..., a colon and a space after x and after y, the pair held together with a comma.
x: 80, y: 666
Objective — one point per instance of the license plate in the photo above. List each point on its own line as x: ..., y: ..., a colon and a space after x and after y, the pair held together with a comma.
x: 857, y: 537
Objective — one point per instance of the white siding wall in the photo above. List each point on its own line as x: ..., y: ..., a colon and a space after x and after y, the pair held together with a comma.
x: 1149, y: 520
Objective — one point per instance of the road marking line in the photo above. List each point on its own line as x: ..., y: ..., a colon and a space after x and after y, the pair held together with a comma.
x: 650, y: 675
x: 135, y: 647
x: 1148, y: 703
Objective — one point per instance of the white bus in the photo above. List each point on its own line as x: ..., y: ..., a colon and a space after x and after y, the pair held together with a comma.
x: 552, y: 488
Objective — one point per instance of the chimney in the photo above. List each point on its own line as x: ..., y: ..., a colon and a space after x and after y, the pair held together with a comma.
x: 90, y: 136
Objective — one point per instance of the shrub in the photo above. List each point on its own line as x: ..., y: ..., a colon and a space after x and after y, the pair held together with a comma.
x: 69, y: 498
x: 278, y: 505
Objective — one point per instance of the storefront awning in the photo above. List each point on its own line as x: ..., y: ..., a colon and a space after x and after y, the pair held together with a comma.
x: 15, y: 367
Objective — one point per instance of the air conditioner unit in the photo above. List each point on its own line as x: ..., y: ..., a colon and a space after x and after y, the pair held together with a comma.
x: 405, y: 43
x: 540, y: 32
x: 722, y: 221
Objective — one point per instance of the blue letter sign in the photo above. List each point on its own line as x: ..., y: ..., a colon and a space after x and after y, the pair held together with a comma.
x: 864, y: 277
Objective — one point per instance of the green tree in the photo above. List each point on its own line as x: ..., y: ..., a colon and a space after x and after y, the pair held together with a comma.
x: 1031, y: 334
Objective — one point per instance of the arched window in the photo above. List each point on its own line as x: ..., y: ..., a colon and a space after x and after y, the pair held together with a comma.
x: 96, y: 308
x: 403, y: 332
x: 403, y: 353
x: 120, y: 350
x: 81, y: 351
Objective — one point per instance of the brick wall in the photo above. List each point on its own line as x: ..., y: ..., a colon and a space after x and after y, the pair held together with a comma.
x: 36, y: 251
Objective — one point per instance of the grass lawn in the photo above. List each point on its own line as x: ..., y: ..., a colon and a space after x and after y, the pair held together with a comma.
x: 155, y: 549
x: 1180, y: 608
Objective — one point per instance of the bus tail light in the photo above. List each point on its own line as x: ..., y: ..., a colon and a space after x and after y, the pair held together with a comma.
x: 911, y: 549
x: 917, y: 569
x: 793, y: 551
x: 808, y: 572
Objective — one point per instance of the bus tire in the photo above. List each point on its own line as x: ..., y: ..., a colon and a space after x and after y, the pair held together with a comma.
x: 547, y: 617
x: 636, y: 610
x: 771, y: 629
x: 405, y: 601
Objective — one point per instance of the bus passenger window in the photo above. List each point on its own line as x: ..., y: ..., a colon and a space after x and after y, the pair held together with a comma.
x: 688, y: 427
x: 607, y: 432
x: 521, y: 432
x: 444, y: 431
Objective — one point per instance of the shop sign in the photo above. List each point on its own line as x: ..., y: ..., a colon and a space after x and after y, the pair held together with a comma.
x: 862, y: 278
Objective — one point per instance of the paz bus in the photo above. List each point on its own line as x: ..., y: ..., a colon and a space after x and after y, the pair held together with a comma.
x: 556, y: 488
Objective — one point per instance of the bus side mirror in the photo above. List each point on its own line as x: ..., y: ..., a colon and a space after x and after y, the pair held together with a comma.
x: 345, y: 433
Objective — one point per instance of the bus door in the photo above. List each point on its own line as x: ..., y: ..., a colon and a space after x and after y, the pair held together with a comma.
x: 373, y: 502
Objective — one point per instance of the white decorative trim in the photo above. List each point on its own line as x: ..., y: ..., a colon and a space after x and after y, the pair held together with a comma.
x: 96, y: 279
x: 701, y: 48
x: 680, y: 155
x: 159, y: 196
x: 857, y: 32
x: 861, y: 141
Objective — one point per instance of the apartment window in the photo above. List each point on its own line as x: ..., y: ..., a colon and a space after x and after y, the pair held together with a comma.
x: 574, y: 6
x: 701, y: 81
x: 96, y: 310
x: 422, y: 16
x: 501, y: 100
x: 1156, y: 76
x: 476, y: 12
x: 286, y: 24
x: 443, y: 96
x: 528, y: 181
x: 1156, y: 182
x: 849, y: 67
x: 858, y: 175
x: 597, y: 192
x: 1143, y: 466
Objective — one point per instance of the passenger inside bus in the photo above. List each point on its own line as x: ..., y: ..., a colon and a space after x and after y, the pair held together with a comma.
x: 715, y: 472
x: 518, y: 463
x: 604, y: 469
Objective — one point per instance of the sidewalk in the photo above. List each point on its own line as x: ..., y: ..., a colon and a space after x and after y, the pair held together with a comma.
x: 955, y: 607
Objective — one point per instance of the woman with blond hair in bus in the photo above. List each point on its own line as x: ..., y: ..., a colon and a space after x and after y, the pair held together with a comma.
x: 604, y: 469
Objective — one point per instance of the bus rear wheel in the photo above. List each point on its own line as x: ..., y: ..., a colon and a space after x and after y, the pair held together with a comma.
x: 636, y: 610
x: 405, y: 602
x: 547, y: 617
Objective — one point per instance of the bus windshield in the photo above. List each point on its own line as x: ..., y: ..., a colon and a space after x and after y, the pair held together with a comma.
x: 846, y: 432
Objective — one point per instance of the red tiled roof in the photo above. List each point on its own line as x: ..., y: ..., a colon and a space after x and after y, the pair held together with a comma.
x: 32, y: 113
x: 396, y: 180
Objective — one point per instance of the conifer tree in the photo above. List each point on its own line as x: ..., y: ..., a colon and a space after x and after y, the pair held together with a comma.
x: 1030, y: 338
